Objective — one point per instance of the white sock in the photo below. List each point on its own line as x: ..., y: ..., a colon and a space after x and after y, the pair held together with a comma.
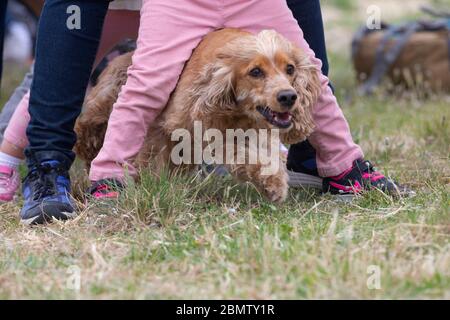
x: 10, y: 161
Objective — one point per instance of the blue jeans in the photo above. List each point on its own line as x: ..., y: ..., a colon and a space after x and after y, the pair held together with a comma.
x: 309, y: 17
x: 3, y: 5
x: 64, y: 60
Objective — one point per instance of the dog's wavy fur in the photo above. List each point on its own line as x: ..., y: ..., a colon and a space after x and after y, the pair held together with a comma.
x: 216, y: 89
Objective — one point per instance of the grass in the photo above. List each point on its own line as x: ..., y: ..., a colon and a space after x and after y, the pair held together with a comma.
x: 182, y: 237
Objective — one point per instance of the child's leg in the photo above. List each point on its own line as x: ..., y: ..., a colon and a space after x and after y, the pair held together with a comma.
x: 11, y: 151
x: 301, y: 162
x: 332, y: 139
x: 15, y: 138
x: 14, y: 100
x: 119, y: 25
x: 168, y: 33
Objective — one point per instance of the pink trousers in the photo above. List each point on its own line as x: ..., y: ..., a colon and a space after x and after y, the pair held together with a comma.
x: 168, y: 33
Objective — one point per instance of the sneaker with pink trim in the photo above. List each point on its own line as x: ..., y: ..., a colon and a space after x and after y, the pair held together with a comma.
x: 363, y: 176
x: 105, y: 189
x: 9, y: 183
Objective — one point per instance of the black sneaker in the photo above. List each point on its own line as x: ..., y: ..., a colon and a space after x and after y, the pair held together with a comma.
x: 302, y: 167
x: 360, y: 177
x: 46, y: 191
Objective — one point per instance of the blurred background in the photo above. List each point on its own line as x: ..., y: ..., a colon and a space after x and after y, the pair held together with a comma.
x: 342, y: 19
x: 20, y: 36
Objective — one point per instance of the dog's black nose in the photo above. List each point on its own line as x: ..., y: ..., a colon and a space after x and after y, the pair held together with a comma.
x: 287, y: 98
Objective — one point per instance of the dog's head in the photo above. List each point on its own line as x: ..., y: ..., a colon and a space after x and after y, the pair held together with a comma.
x: 265, y: 80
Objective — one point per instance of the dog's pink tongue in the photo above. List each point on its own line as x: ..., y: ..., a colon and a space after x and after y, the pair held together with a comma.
x: 285, y: 116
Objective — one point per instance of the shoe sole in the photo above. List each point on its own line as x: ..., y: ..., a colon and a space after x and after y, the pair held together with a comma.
x: 297, y: 179
x: 49, y: 212
x: 345, y: 198
x: 348, y: 197
x: 45, y: 218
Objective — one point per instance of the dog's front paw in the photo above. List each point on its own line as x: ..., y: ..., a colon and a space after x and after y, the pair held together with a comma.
x: 275, y: 187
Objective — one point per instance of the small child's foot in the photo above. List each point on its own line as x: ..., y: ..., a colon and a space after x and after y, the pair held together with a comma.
x: 363, y: 176
x: 105, y: 189
x: 46, y: 193
x: 9, y: 183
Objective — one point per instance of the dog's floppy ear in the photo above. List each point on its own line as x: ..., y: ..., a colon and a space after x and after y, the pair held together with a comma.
x: 308, y: 87
x: 307, y: 82
x: 213, y: 90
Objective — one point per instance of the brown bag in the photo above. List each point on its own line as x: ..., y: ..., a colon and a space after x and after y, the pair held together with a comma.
x: 415, y: 54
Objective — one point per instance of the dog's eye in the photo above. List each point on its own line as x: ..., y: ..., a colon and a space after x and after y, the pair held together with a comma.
x: 256, y: 73
x: 290, y: 69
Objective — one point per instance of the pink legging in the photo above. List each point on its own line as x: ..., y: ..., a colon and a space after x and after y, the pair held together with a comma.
x: 119, y: 25
x: 168, y: 33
